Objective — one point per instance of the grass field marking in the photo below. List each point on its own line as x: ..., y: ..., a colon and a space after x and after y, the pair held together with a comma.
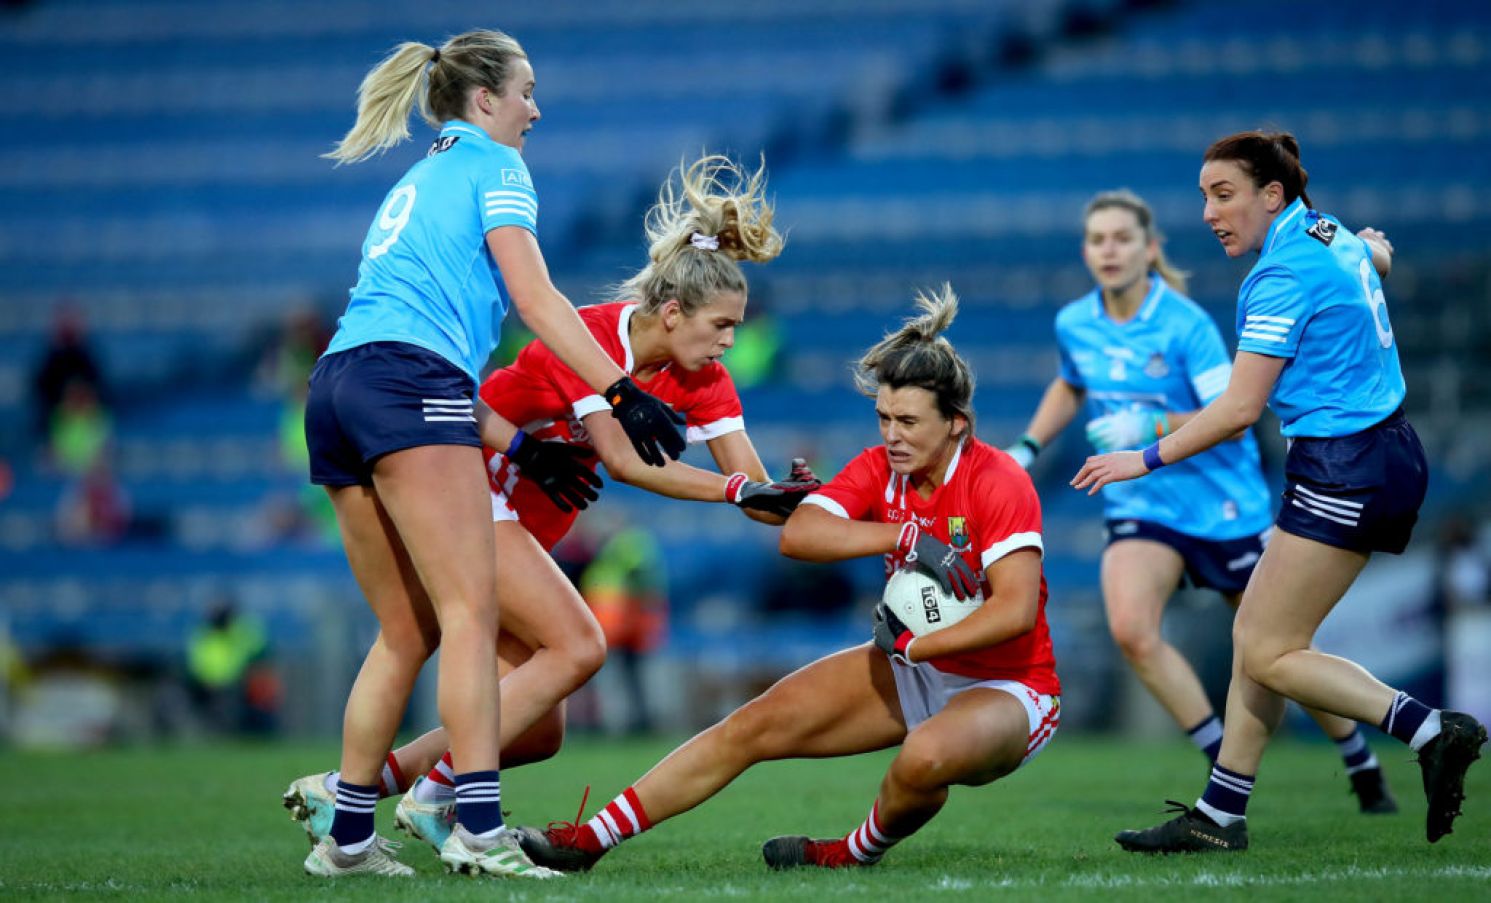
x: 1212, y: 879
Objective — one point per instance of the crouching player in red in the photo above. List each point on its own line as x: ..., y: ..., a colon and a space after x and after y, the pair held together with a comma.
x: 669, y: 339
x: 967, y: 704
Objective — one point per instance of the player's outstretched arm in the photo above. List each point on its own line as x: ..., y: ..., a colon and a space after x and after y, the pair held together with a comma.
x: 653, y: 428
x: 674, y: 479
x: 757, y: 496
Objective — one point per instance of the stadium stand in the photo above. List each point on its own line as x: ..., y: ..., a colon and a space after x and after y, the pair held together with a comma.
x: 158, y: 161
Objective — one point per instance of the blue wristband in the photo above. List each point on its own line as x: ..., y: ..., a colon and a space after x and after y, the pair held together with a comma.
x: 517, y: 443
x: 1152, y: 458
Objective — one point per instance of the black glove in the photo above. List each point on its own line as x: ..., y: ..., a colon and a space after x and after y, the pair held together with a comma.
x: 801, y: 472
x: 939, y: 559
x: 780, y: 498
x: 558, y: 469
x: 652, y: 426
x: 891, y: 636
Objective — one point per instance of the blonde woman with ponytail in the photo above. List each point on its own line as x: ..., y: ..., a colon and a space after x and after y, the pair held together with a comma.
x: 1145, y: 358
x: 676, y: 321
x: 966, y: 705
x: 395, y: 430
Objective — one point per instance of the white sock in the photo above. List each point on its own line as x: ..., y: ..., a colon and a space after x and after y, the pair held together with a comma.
x: 428, y: 791
x: 1427, y: 731
x: 352, y: 849
x: 1224, y: 819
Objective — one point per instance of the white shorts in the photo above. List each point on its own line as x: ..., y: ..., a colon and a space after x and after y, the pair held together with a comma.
x: 924, y: 691
x: 502, y: 508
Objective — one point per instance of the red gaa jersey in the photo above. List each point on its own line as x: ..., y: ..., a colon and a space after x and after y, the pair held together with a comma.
x: 544, y: 397
x: 985, y: 509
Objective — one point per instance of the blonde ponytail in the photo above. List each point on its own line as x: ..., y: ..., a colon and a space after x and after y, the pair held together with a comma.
x: 438, y: 82
x: 698, y: 232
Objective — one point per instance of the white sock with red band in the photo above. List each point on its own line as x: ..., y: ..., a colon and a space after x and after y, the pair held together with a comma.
x: 869, y: 841
x: 439, y: 786
x: 623, y: 817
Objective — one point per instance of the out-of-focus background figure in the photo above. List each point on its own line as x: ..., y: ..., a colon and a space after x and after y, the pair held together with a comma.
x: 174, y: 252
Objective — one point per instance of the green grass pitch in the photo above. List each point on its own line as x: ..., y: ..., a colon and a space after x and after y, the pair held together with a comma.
x: 205, y: 823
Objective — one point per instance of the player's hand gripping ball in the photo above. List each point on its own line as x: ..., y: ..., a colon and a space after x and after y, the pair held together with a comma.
x: 920, y: 602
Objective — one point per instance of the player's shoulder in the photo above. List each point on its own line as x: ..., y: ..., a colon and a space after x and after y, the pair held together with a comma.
x: 1078, y: 311
x: 608, y: 313
x: 871, y: 461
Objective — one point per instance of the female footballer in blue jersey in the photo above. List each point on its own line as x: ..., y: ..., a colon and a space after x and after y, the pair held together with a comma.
x: 1315, y: 344
x: 395, y: 428
x: 1145, y: 358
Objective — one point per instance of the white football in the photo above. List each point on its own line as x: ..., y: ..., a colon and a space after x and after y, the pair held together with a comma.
x: 923, y: 606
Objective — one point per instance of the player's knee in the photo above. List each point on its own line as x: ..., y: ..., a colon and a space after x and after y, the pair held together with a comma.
x: 1258, y: 661
x: 585, y: 651
x: 758, y: 731
x: 410, y: 648
x: 922, y: 767
x: 543, y: 741
x: 1136, y: 639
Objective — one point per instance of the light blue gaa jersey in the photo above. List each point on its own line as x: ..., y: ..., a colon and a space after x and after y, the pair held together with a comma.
x: 1169, y: 357
x: 1315, y: 298
x: 426, y: 276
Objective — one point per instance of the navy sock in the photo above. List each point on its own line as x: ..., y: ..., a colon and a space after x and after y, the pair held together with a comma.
x: 1355, y: 752
x: 352, y: 823
x: 1226, y: 796
x: 1208, y: 736
x: 479, y: 801
x: 1404, y: 717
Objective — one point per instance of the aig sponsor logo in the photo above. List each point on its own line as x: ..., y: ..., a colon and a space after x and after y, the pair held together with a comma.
x: 517, y: 177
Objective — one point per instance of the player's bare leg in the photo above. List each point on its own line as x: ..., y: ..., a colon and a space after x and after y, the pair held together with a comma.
x: 427, y: 811
x: 840, y: 705
x: 1139, y: 576
x: 980, y: 736
x: 407, y: 636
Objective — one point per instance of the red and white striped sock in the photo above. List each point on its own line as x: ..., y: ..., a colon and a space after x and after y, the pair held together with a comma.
x: 869, y: 841
x: 623, y: 817
x: 393, y: 782
x: 439, y: 786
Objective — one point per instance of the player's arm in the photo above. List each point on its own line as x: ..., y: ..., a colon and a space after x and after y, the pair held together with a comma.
x: 734, y: 453
x: 674, y: 479
x: 1011, y: 610
x: 816, y: 534
x: 1059, y: 406
x: 546, y: 311
x: 496, y: 431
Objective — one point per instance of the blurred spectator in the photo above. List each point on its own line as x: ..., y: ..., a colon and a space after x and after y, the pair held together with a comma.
x: 81, y: 430
x: 626, y: 588
x: 284, y: 372
x: 231, y: 681
x: 1463, y: 568
x: 756, y: 358
x: 67, y: 360
x: 94, y: 509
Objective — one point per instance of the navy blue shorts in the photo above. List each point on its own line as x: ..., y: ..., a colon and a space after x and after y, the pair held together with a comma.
x: 378, y: 398
x: 1220, y: 564
x: 1360, y: 492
